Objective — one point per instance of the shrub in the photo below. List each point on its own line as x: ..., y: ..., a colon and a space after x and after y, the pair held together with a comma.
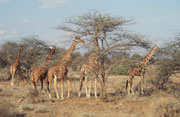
x: 27, y: 107
x: 168, y: 109
x: 41, y: 109
x: 120, y: 71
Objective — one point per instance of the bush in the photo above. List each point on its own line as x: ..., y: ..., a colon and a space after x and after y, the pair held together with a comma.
x: 169, y: 109
x: 120, y: 71
x: 27, y: 107
x: 4, y: 74
x: 169, y: 64
x: 41, y: 109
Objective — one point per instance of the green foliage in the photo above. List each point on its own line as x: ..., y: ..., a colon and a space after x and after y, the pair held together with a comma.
x: 76, y: 61
x: 120, y: 71
x: 158, y: 62
x: 136, y: 56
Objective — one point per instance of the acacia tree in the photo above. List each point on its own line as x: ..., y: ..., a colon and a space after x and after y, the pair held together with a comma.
x: 111, y: 35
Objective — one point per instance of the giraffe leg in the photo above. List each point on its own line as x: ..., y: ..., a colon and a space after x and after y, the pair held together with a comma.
x: 95, y: 88
x: 132, y: 91
x: 41, y: 83
x: 142, y: 85
x: 128, y: 85
x: 32, y: 81
x: 62, y: 87
x: 33, y: 84
x: 12, y: 80
x: 69, y: 86
x: 48, y: 81
x: 127, y: 82
x: 89, y: 92
x: 129, y: 88
x: 48, y: 87
x: 81, y: 83
x: 86, y: 86
x: 55, y: 86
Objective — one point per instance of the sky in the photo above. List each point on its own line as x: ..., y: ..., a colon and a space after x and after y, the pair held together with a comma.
x: 158, y: 20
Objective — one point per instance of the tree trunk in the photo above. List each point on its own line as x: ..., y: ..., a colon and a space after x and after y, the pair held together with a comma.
x: 102, y: 73
x: 103, y: 90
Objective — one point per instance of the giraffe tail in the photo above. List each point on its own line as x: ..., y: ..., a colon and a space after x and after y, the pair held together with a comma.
x: 126, y: 85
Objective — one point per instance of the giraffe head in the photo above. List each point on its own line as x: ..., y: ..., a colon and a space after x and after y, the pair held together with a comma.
x: 78, y: 40
x: 20, y: 47
x: 52, y: 47
x: 155, y: 47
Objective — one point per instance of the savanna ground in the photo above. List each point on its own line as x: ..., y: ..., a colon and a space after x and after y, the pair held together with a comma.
x: 22, y: 101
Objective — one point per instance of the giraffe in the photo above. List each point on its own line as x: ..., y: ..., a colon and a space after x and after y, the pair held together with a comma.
x: 41, y: 71
x: 90, y: 68
x: 59, y: 70
x: 139, y: 71
x: 15, y: 66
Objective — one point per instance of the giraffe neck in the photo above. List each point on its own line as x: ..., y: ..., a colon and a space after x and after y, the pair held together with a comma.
x: 96, y: 45
x: 49, y: 57
x: 67, y: 56
x: 93, y: 56
x: 18, y: 56
x: 147, y: 58
x: 96, y: 36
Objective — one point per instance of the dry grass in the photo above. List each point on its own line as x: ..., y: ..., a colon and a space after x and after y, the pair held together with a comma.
x: 118, y: 104
x: 27, y: 107
x: 7, y: 110
x: 41, y: 109
x: 86, y: 115
x: 166, y: 105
